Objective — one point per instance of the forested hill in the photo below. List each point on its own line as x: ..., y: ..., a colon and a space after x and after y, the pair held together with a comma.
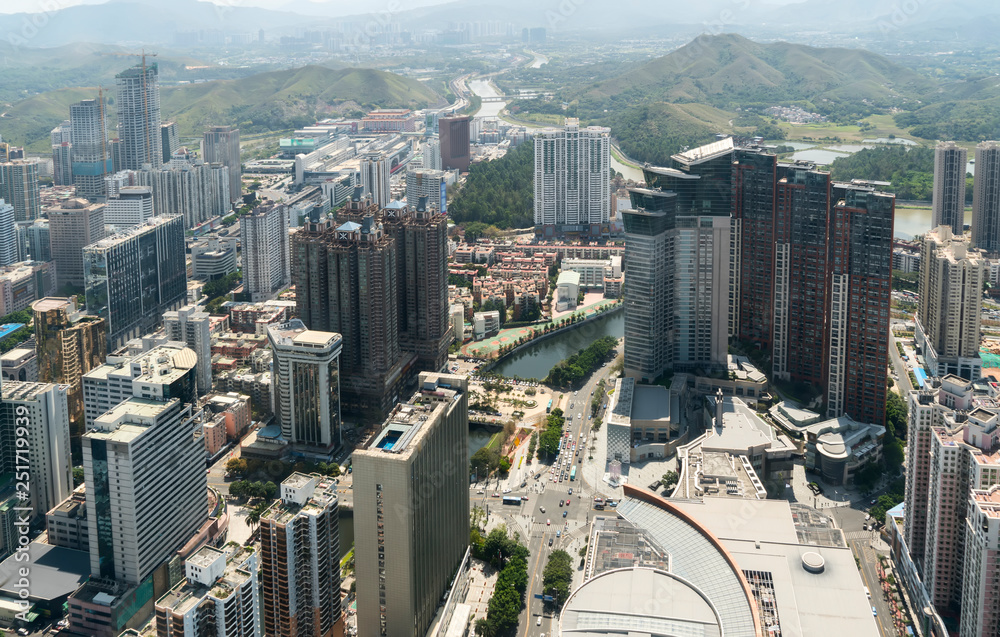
x: 500, y: 192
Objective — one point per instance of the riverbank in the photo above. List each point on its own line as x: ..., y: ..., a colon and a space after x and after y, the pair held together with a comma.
x: 516, y: 339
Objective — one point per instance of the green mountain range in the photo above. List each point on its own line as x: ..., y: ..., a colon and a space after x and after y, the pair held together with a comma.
x: 275, y: 100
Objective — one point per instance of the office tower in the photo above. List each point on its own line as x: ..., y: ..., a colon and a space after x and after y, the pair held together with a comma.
x: 69, y: 344
x: 62, y: 154
x: 694, y: 198
x: 192, y: 325
x: 345, y: 281
x: 19, y: 188
x: 300, y: 560
x: 91, y: 155
x: 9, y: 252
x: 221, y: 145
x: 951, y: 297
x: 36, y: 243
x: 572, y: 179
x: 421, y: 240
x: 144, y: 467
x: 34, y: 430
x: 138, y: 103
x: 948, y: 199
x: 73, y: 225
x: 432, y: 184
x: 191, y: 188
x: 131, y: 206
x: 162, y: 372
x: 132, y: 277
x: 986, y: 199
x: 169, y: 141
x: 410, y: 539
x: 217, y: 598
x: 305, y: 378
x: 456, y: 152
x: 431, y: 151
x: 375, y: 172
x: 266, y: 264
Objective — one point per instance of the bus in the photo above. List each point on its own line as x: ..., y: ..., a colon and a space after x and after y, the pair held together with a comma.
x: 572, y: 474
x: 548, y: 409
x: 512, y: 500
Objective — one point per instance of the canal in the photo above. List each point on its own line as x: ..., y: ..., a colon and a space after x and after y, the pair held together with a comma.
x: 535, y: 361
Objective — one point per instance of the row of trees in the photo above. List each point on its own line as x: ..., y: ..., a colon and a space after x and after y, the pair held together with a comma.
x: 510, y: 557
x: 582, y: 364
x: 548, y: 440
x: 247, y: 489
x: 557, y: 578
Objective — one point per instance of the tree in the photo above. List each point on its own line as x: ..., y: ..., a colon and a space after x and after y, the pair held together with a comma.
x: 504, y: 465
x: 557, y: 578
x: 237, y: 466
x: 483, y: 628
x: 484, y: 461
x: 669, y: 479
x: 77, y: 476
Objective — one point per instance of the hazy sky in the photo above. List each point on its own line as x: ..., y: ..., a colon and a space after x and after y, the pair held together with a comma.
x: 40, y: 6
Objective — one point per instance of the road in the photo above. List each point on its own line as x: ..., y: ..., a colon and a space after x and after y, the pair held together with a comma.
x: 899, y: 366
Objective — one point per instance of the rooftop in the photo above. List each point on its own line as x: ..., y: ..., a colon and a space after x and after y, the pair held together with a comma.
x: 706, y: 152
x: 405, y: 427
x: 55, y: 572
x: 128, y: 233
x: 129, y: 420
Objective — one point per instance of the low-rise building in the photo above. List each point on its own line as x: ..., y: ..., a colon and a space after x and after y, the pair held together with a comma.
x: 836, y: 447
x: 646, y: 421
x: 66, y: 523
x: 20, y: 363
x: 213, y: 258
x: 485, y: 324
x: 567, y: 290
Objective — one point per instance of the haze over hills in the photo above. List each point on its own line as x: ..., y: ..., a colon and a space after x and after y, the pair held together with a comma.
x: 274, y: 100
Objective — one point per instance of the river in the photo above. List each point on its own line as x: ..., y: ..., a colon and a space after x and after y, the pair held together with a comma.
x: 535, y: 361
x: 483, y: 88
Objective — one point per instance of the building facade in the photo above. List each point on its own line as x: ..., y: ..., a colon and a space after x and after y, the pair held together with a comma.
x: 133, y: 277
x: 421, y: 533
x: 192, y: 325
x: 19, y: 188
x: 986, y: 199
x: 572, y: 179
x: 375, y: 173
x: 138, y: 104
x: 130, y: 206
x: 456, y: 152
x: 192, y: 188
x: 266, y: 260
x: 91, y: 155
x: 221, y: 145
x: 948, y: 199
x: 73, y: 225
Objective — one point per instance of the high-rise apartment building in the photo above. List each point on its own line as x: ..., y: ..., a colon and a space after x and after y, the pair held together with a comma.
x: 300, y: 560
x: 572, y: 179
x: 169, y: 140
x: 130, y: 206
x: 91, y: 154
x: 35, y: 441
x: 9, y: 248
x: 192, y: 325
x: 131, y: 278
x: 431, y: 151
x: 266, y: 260
x: 69, y: 344
x: 683, y: 232
x: 137, y: 458
x: 192, y: 188
x: 73, y: 225
x: 305, y: 377
x: 429, y: 184
x: 62, y: 154
x: 456, y: 152
x: 948, y: 198
x: 986, y: 199
x: 138, y: 104
x: 19, y: 188
x: 949, y: 312
x: 410, y: 539
x: 345, y: 281
x: 221, y: 145
x: 217, y: 598
x: 980, y: 601
x: 35, y: 241
x: 375, y: 173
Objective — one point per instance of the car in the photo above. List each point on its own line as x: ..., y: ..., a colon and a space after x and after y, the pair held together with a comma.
x: 507, y: 490
x: 873, y: 502
x: 560, y: 503
x: 22, y: 631
x: 579, y: 460
x: 548, y: 522
x: 571, y: 490
x: 558, y: 533
x: 496, y: 495
x: 524, y: 484
x: 542, y: 509
x: 874, y: 612
x: 564, y: 513
x: 868, y: 592
x: 567, y: 502
x: 551, y: 540
x: 524, y: 498
x: 864, y: 527
x: 539, y: 622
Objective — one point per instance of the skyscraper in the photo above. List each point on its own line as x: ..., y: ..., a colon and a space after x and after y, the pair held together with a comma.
x: 305, y: 379
x: 345, y: 281
x: 130, y: 206
x: 91, y: 155
x: 191, y: 188
x: 131, y: 278
x: 19, y: 188
x: 37, y: 241
x: 409, y: 537
x: 646, y: 294
x: 986, y: 199
x: 138, y: 102
x: 266, y: 260
x: 300, y: 560
x: 169, y: 141
x: 137, y: 457
x: 375, y: 173
x: 192, y: 325
x: 432, y: 184
x: 221, y: 145
x: 62, y: 154
x: 572, y: 179
x: 73, y: 225
x: 69, y: 344
x: 951, y: 298
x: 456, y: 152
x: 948, y: 199
x: 37, y: 414
x: 9, y: 252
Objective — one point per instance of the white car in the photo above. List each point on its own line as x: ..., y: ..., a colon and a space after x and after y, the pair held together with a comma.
x: 507, y: 490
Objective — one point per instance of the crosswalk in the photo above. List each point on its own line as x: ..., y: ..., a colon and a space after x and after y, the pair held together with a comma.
x: 858, y: 535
